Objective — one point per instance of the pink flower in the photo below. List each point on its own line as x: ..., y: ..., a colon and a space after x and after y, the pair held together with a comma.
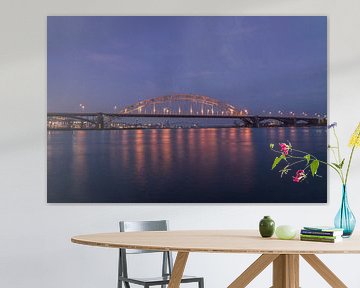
x: 300, y: 172
x: 284, y: 148
x: 299, y: 176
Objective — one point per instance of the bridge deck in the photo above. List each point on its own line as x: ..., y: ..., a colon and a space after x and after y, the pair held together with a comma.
x: 260, y: 117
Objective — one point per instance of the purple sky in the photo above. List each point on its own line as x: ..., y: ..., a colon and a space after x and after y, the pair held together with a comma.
x: 260, y: 63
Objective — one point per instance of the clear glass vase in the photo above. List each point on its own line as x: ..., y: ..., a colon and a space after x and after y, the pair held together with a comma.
x: 345, y: 219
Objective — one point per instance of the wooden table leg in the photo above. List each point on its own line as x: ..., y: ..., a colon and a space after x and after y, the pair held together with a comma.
x: 324, y: 271
x: 178, y: 269
x: 253, y: 270
x: 286, y: 271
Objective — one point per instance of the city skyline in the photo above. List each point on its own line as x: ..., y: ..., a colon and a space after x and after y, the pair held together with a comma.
x: 255, y: 63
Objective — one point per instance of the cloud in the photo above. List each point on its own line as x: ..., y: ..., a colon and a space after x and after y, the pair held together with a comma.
x: 105, y: 58
x: 116, y: 61
x: 199, y: 74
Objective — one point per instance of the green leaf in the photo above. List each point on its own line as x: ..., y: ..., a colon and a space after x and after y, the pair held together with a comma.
x: 314, y: 166
x: 342, y: 163
x: 336, y: 165
x: 271, y: 146
x: 277, y: 161
x: 307, y: 157
x: 339, y: 166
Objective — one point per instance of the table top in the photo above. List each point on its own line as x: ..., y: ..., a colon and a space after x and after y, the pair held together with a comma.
x: 217, y: 241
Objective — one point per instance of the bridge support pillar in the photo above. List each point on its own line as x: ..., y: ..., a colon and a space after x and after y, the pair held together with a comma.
x: 100, y: 121
x: 256, y: 122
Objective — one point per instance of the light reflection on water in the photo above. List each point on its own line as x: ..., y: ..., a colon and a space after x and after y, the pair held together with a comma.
x: 229, y: 165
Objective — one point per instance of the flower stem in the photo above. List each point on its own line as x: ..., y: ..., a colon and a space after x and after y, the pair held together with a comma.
x: 337, y: 144
x: 350, y: 159
x: 333, y: 152
x: 348, y: 167
x: 339, y: 162
x: 314, y: 158
x: 296, y: 162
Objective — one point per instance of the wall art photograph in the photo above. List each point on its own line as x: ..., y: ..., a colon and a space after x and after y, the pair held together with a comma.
x: 164, y: 109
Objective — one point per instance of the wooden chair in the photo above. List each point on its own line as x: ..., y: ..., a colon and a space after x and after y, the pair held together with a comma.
x: 167, y: 263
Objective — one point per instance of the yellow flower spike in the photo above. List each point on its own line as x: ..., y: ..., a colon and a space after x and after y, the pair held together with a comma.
x: 355, y: 138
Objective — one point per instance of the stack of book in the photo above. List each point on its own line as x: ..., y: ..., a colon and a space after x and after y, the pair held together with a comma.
x: 321, y: 234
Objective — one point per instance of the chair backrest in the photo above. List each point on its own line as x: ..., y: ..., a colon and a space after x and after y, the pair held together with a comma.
x: 133, y: 226
x: 138, y: 226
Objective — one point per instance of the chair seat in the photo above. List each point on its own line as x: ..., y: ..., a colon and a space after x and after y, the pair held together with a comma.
x: 158, y: 280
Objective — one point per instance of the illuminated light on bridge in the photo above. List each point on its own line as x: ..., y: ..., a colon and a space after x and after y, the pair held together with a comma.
x: 183, y: 104
x: 187, y: 106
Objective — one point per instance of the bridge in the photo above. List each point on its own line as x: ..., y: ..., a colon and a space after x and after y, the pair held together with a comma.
x: 185, y: 106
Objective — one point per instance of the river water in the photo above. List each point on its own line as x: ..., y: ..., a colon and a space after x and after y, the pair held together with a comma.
x: 209, y: 165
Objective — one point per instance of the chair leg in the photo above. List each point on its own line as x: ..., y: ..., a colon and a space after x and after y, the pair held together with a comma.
x: 201, y: 283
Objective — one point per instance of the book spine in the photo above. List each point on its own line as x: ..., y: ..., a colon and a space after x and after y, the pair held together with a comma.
x: 318, y: 239
x: 320, y: 233
x: 319, y: 236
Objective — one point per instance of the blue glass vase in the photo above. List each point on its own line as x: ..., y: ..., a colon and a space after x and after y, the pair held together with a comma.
x: 345, y: 219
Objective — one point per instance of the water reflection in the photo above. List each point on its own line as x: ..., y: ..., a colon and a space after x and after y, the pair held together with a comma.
x: 294, y: 134
x: 165, y: 150
x: 139, y: 155
x: 154, y: 149
x: 178, y: 165
x: 124, y: 146
x: 78, y: 169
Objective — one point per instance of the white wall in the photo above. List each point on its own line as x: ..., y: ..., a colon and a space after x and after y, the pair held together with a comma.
x: 35, y: 248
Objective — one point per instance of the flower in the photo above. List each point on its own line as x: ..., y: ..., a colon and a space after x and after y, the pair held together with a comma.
x: 355, y: 138
x: 284, y: 148
x: 311, y: 163
x: 332, y: 125
x: 300, y: 175
x: 299, y: 172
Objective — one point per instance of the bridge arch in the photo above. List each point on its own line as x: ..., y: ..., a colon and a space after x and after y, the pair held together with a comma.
x: 191, y: 104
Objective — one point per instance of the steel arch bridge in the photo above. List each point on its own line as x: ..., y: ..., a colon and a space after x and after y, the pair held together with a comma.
x: 186, y: 106
x: 183, y: 104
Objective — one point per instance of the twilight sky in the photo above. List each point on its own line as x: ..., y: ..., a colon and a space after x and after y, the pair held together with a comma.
x: 258, y: 63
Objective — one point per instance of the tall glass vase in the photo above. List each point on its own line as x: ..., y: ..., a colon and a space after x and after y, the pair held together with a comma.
x: 345, y: 219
